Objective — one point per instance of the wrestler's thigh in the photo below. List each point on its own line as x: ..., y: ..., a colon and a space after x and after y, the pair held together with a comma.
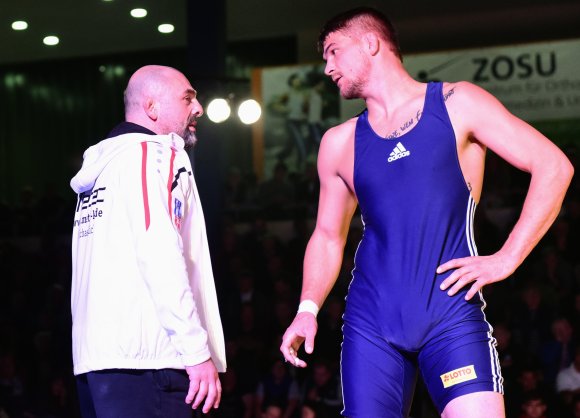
x: 378, y: 381
x: 476, y: 405
x: 460, y: 364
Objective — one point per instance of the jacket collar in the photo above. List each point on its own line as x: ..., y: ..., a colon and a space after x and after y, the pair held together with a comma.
x: 129, y: 128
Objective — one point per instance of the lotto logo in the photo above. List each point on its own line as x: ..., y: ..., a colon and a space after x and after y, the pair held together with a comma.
x: 460, y: 375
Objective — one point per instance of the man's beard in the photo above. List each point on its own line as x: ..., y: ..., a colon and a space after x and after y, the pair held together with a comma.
x: 189, y: 138
x: 353, y: 91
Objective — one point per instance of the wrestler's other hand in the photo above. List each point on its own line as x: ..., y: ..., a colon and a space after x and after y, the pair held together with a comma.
x: 204, y: 383
x: 479, y: 270
x: 302, y: 330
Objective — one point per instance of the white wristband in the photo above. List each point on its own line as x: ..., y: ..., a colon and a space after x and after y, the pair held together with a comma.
x: 308, y: 306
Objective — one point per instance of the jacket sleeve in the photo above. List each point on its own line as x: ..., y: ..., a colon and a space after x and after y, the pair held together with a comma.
x: 159, y: 250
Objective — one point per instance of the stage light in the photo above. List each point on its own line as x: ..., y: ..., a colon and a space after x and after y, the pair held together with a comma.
x: 166, y: 28
x: 19, y: 25
x: 138, y: 13
x: 51, y: 40
x: 249, y: 111
x: 218, y: 110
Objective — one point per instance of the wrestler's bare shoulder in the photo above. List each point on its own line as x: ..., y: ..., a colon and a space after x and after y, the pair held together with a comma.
x: 466, y: 103
x: 340, y: 135
x: 466, y: 98
x: 336, y: 152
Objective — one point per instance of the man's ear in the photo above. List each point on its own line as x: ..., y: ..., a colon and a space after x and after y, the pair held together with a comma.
x: 372, y: 43
x: 151, y: 109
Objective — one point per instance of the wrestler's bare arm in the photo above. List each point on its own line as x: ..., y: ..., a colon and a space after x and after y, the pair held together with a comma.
x: 479, y: 119
x: 324, y: 251
x: 336, y: 206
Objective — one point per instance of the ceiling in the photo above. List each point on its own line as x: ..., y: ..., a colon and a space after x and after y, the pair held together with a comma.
x: 87, y: 27
x: 97, y: 27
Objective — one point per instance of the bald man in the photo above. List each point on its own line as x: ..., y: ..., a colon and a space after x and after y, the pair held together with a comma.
x: 147, y: 335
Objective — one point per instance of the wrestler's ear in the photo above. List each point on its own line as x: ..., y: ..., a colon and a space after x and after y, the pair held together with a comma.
x: 371, y: 42
x: 150, y: 107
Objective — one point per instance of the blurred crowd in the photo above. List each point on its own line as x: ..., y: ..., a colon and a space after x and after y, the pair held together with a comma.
x: 535, y: 313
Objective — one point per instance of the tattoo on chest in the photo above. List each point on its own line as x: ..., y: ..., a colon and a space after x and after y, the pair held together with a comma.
x: 413, y: 120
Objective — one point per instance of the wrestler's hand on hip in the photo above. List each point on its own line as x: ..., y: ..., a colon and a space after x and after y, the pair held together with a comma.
x: 301, y: 330
x: 204, y: 383
x: 478, y: 270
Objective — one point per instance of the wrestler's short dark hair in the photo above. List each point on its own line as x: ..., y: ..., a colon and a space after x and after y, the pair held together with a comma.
x: 366, y: 18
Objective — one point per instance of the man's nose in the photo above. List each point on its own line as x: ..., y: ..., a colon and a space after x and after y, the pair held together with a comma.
x: 328, y: 68
x: 197, y: 109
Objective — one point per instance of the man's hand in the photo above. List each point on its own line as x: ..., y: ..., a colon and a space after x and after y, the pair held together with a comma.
x: 301, y: 330
x: 204, y: 383
x: 481, y: 270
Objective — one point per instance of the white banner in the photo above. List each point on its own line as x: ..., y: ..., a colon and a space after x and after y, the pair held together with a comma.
x: 534, y: 81
x: 538, y: 82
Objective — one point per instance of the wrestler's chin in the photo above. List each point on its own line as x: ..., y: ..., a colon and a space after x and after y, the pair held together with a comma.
x: 349, y: 94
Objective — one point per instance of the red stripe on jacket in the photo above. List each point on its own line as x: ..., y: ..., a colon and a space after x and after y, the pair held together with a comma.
x: 170, y: 182
x: 144, y: 185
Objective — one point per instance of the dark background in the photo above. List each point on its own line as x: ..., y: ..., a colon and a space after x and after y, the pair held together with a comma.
x: 55, y: 102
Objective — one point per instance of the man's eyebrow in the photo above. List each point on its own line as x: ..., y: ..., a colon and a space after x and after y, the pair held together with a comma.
x: 192, y: 92
x: 326, y: 49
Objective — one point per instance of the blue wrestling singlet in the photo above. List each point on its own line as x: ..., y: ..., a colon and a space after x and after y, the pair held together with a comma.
x: 417, y: 213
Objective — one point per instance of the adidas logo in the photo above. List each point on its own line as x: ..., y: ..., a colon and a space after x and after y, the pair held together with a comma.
x: 399, y: 152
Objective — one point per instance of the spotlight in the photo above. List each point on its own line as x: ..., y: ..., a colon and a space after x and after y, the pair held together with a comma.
x: 166, y: 28
x: 138, y: 13
x: 249, y: 111
x: 51, y: 40
x: 19, y: 25
x: 218, y: 110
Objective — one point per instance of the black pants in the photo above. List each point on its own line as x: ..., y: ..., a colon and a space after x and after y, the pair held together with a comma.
x: 134, y: 393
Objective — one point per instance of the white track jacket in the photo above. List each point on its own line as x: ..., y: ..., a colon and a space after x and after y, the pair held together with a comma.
x: 143, y: 292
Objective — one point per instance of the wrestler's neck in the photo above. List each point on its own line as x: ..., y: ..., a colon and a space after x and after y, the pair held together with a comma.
x: 389, y: 86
